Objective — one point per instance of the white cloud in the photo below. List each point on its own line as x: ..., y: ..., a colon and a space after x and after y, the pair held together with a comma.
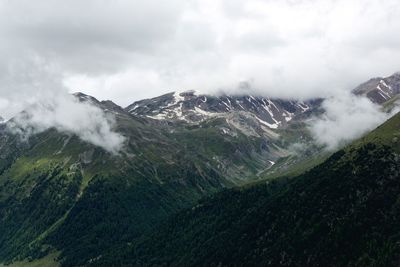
x: 66, y: 114
x: 347, y: 117
x: 125, y: 50
x: 285, y: 48
x: 33, y: 86
x: 94, y: 36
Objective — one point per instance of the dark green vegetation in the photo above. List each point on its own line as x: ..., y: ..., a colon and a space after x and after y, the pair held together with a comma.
x: 61, y: 195
x: 344, y: 212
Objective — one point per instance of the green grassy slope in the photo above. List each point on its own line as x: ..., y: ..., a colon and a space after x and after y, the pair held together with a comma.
x: 343, y: 212
x: 58, y: 193
x: 47, y: 261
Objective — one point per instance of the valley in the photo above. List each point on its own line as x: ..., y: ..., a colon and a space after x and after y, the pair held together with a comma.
x: 197, y: 176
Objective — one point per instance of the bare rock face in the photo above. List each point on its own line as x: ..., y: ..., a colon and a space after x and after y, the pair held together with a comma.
x: 380, y: 90
x: 191, y: 106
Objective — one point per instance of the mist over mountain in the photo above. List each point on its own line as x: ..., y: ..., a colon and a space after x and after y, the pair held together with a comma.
x: 71, y: 196
x: 199, y: 133
x: 348, y: 206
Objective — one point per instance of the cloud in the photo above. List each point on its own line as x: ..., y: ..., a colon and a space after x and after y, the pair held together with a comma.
x: 66, y: 114
x: 34, y: 87
x: 126, y: 50
x: 347, y: 117
x: 94, y: 36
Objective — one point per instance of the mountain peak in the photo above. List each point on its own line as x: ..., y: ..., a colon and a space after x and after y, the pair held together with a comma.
x: 86, y: 98
x: 193, y: 107
x: 380, y: 90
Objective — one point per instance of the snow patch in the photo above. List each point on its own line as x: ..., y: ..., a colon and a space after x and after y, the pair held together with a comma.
x: 303, y: 106
x: 227, y: 106
x: 160, y: 116
x: 384, y: 94
x: 272, y: 126
x: 178, y: 98
x: 134, y: 108
x: 384, y: 84
x: 238, y: 102
x: 203, y: 112
x: 266, y: 107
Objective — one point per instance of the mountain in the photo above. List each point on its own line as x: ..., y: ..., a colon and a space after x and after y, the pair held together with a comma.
x: 267, y: 118
x: 343, y: 212
x: 63, y: 198
x: 59, y: 194
x: 380, y: 90
x: 191, y: 106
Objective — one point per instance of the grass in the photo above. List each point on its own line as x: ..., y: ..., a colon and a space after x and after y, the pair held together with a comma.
x: 387, y: 134
x: 390, y: 104
x: 298, y: 167
x: 52, y: 228
x: 47, y: 261
x: 25, y: 166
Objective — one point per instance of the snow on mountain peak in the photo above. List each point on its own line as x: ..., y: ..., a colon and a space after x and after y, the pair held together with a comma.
x: 194, y: 107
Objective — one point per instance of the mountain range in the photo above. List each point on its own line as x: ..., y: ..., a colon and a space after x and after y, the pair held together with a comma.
x: 203, y: 180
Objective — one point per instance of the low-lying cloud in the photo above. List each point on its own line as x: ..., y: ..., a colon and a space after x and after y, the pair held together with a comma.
x: 66, y: 114
x: 127, y: 50
x: 33, y: 100
x: 346, y: 118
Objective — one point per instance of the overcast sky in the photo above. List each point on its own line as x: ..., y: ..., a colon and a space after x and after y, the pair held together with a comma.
x: 126, y: 50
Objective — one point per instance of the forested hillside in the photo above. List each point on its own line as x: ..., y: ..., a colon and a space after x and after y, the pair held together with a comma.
x: 344, y: 212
